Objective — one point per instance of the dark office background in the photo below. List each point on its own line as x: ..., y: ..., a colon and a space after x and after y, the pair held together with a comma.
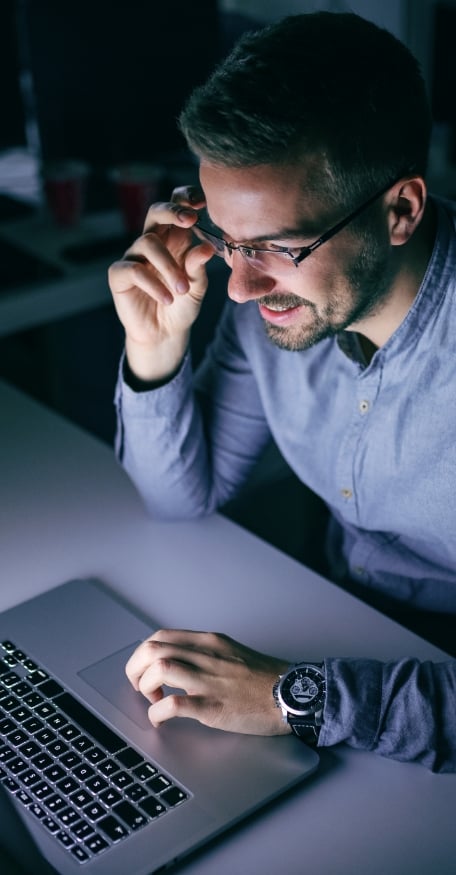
x: 104, y: 82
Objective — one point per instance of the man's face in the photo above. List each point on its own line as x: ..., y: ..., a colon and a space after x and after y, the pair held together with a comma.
x: 338, y: 286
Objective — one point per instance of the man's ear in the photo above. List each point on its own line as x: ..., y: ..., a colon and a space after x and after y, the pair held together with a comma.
x: 406, y: 209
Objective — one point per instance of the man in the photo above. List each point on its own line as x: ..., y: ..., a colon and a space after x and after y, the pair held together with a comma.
x: 312, y: 141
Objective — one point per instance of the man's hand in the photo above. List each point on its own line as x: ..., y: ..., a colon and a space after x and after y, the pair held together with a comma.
x: 159, y: 284
x: 225, y: 685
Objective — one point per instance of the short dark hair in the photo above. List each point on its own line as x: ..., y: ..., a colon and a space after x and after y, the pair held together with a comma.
x: 328, y: 84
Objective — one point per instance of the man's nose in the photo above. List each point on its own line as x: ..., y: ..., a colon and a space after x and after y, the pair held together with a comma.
x: 245, y: 282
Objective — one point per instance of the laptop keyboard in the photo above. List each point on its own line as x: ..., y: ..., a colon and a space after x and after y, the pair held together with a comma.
x: 86, y: 785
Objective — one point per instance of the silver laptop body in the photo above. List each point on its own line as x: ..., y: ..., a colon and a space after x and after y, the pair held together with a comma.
x: 145, y: 798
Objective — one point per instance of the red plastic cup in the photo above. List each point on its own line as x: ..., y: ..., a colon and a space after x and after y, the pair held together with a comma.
x: 138, y: 186
x: 65, y: 188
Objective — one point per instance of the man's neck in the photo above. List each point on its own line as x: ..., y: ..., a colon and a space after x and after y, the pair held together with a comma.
x: 374, y: 331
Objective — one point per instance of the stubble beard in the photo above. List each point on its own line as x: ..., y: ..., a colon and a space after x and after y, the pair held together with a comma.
x: 368, y: 282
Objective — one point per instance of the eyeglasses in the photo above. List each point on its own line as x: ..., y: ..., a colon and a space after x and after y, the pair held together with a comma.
x: 281, y: 257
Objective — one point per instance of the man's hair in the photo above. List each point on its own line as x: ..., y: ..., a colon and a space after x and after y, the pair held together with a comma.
x: 330, y: 85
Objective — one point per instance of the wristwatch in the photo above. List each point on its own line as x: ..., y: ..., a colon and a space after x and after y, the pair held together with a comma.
x: 300, y: 694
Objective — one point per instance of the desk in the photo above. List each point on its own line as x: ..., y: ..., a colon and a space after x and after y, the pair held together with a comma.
x: 67, y: 510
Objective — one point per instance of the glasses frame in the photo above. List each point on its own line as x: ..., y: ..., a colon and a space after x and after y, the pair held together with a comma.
x: 304, y: 251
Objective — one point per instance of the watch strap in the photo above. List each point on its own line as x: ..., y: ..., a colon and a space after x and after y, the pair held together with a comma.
x: 307, y: 732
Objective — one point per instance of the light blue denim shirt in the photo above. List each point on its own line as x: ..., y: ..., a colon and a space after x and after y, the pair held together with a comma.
x: 377, y: 442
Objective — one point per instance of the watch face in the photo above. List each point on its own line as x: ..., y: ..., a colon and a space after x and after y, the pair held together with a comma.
x: 302, y: 690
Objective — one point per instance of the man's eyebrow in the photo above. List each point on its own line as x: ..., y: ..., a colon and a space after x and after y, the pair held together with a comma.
x: 303, y: 230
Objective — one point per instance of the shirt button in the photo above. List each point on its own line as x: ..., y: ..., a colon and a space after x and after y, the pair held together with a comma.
x: 346, y: 493
x: 364, y: 406
x: 358, y: 570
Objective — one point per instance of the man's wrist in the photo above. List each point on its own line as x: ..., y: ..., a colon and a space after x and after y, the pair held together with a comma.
x: 146, y: 368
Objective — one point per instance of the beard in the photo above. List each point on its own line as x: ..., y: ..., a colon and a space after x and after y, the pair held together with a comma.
x: 368, y: 281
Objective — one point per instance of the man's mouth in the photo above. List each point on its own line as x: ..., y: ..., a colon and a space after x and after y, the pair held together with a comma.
x: 280, y: 310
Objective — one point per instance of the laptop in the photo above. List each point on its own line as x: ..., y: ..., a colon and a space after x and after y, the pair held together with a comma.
x: 98, y: 789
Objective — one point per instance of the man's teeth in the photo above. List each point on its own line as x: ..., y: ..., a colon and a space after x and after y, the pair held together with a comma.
x: 278, y: 307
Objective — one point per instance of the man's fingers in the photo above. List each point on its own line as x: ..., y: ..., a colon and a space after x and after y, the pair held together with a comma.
x: 174, y: 705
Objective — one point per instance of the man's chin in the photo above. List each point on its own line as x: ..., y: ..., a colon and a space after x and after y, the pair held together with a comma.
x: 296, y: 339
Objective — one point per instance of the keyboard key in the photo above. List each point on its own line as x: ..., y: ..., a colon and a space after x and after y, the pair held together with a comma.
x: 37, y: 677
x: 10, y: 784
x: 94, y: 811
x: 70, y: 760
x: 113, y: 828
x: 79, y: 853
x: 96, y: 784
x: 83, y: 772
x: 57, y: 748
x: 130, y: 815
x: 41, y: 761
x: 54, y: 773
x: 56, y: 720
x: 81, y: 829
x: 68, y: 815
x: 96, y: 843
x: 67, y: 785
x: 69, y: 732
x: 55, y: 803
x: 17, y: 765
x: 21, y: 714
x: 33, y: 725
x: 173, y: 796
x: 50, y: 824
x: 91, y: 724
x: 37, y: 811
x: 122, y: 779
x: 6, y: 753
x: 80, y: 798
x: 32, y: 700
x: 7, y: 725
x: 96, y: 755
x: 10, y: 703
x: 64, y: 839
x: 45, y: 710
x: 5, y: 666
x: 152, y: 806
x: 17, y: 737
x: 130, y: 758
x: 30, y: 777
x: 82, y: 743
x: 158, y: 784
x: 42, y: 790
x: 50, y: 689
x: 10, y: 679
x: 110, y: 797
x: 45, y: 736
x: 108, y: 767
x: 29, y: 665
x: 29, y: 749
x: 8, y: 646
x: 22, y: 689
x: 9, y: 661
x: 144, y: 772
x: 136, y: 792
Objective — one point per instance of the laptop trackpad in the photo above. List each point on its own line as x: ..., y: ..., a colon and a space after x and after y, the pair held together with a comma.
x: 108, y: 678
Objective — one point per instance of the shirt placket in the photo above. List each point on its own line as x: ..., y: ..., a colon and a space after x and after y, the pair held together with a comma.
x: 348, y: 470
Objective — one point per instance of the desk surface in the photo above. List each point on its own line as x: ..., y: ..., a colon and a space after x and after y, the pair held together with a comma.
x: 68, y: 510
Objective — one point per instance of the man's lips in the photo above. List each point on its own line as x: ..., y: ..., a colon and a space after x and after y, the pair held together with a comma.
x: 280, y: 311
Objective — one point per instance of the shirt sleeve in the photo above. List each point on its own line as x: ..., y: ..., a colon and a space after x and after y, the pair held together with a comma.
x: 405, y: 710
x: 190, y: 444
